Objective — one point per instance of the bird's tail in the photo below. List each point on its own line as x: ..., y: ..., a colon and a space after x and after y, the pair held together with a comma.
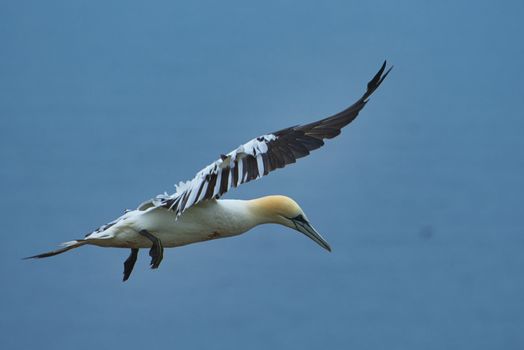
x: 65, y: 247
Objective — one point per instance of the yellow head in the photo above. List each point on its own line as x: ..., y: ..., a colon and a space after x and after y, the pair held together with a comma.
x: 285, y: 211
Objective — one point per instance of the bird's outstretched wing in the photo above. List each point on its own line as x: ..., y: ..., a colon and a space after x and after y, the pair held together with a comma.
x: 262, y: 155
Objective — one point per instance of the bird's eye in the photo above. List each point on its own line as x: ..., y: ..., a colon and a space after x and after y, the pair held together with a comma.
x: 299, y: 218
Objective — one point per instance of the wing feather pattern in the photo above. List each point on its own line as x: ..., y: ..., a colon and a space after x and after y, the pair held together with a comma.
x: 262, y: 155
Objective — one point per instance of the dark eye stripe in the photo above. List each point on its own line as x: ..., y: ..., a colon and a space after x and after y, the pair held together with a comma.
x: 299, y: 218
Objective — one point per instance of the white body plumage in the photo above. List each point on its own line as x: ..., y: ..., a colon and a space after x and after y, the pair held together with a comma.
x: 204, y: 221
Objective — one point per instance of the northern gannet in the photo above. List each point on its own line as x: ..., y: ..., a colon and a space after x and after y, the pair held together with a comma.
x: 194, y: 213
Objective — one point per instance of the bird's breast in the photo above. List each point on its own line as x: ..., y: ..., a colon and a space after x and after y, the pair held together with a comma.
x: 204, y: 221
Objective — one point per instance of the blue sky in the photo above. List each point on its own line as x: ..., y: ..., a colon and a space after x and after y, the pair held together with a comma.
x: 106, y: 104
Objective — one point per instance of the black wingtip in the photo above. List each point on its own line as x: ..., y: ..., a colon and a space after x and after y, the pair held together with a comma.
x: 373, y: 82
x: 377, y: 80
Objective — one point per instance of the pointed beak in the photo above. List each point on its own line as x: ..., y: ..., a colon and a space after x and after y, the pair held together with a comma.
x: 306, y: 228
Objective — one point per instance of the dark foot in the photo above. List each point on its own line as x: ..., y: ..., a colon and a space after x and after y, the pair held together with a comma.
x: 157, y: 250
x: 130, y: 263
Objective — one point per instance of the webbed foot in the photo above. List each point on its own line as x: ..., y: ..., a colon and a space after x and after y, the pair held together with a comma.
x: 157, y: 250
x: 130, y: 263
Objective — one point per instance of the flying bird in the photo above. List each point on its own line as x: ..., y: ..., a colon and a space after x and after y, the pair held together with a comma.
x: 194, y: 213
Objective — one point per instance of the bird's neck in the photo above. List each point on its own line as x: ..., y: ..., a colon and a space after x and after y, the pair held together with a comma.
x: 264, y: 210
x: 243, y: 215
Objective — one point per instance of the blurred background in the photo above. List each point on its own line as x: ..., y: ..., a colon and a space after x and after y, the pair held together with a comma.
x: 105, y: 104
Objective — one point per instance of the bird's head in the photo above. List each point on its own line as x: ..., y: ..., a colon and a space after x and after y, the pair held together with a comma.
x: 285, y: 211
